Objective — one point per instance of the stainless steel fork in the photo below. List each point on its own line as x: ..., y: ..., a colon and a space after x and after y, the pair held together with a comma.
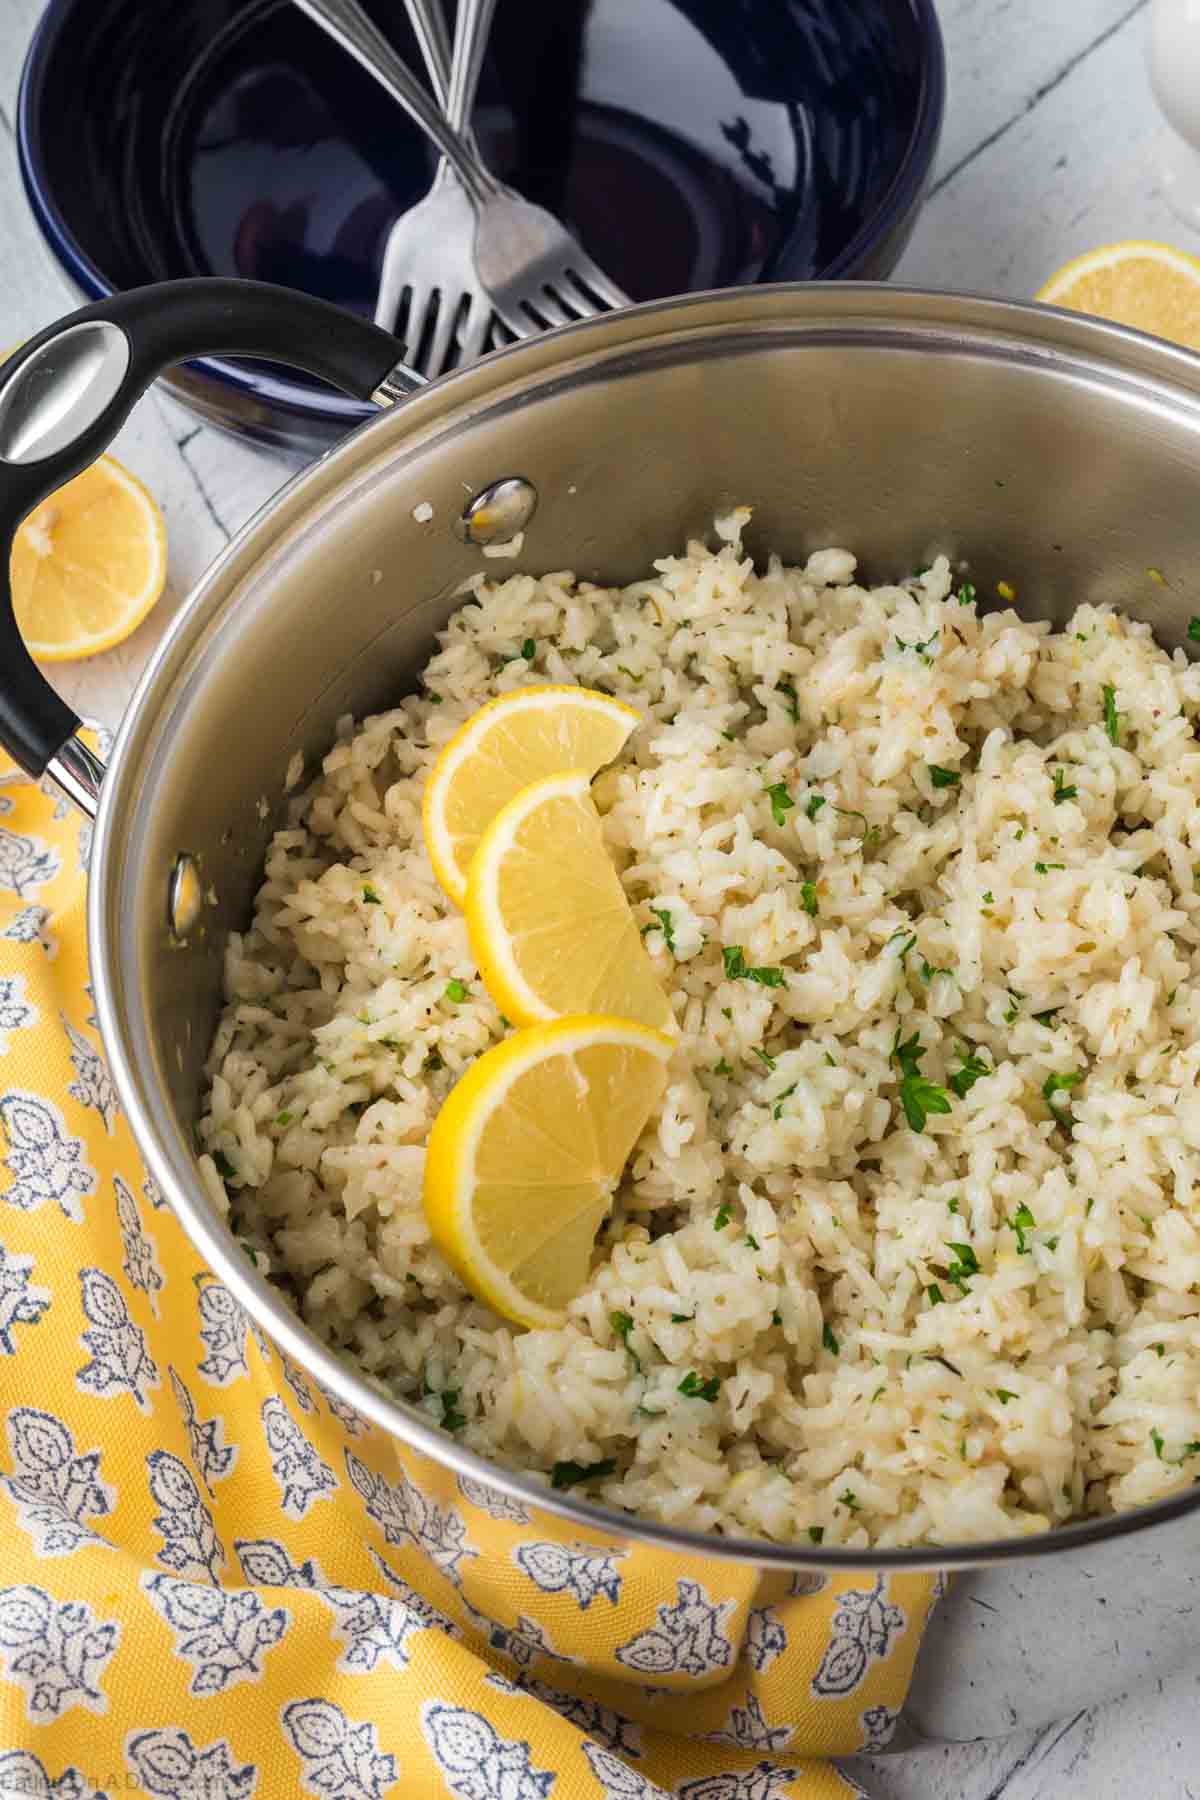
x: 533, y: 270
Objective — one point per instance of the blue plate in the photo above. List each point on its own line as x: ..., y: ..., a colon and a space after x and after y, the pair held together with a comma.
x: 691, y: 144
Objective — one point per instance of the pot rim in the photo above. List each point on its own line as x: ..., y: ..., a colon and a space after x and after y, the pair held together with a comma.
x: 859, y: 313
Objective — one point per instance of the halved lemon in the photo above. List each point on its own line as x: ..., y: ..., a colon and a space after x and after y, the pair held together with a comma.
x: 88, y: 564
x: 550, y: 926
x: 508, y: 743
x: 525, y: 1155
x: 1150, y: 286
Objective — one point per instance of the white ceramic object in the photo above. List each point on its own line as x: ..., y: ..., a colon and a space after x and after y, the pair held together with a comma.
x: 1174, y: 63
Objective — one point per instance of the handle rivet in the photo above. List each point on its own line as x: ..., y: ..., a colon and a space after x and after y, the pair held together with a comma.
x: 498, y: 512
x: 185, y: 895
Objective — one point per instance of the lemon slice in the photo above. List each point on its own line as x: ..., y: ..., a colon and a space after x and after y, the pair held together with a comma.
x: 1149, y: 286
x: 525, y: 1154
x: 549, y: 923
x: 88, y: 564
x: 508, y: 743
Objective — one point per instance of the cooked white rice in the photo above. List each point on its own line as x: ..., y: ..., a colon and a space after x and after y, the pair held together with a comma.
x: 975, y: 1330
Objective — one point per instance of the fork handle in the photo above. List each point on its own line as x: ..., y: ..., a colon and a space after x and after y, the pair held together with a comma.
x: 433, y: 41
x: 347, y: 23
x: 472, y: 23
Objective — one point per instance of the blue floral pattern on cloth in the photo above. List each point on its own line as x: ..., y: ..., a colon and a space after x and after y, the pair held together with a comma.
x: 223, y: 1634
x: 405, y: 1516
x: 29, y: 927
x: 374, y: 1627
x: 120, y: 1363
x: 879, y: 1724
x: 491, y: 1501
x: 303, y: 1478
x: 190, y: 1542
x: 22, y: 1302
x: 141, y: 1262
x: 599, y: 1721
x: 170, y: 1766
x: 618, y: 1780
x: 16, y: 1012
x: 213, y: 1458
x: 765, y: 1781
x: 46, y: 1163
x: 586, y: 1575
x: 26, y: 863
x: 351, y: 1422
x: 54, y: 1489
x: 93, y: 1085
x: 687, y: 1639
x: 864, y: 1626
x: 476, y: 1762
x: 224, y: 1328
x: 298, y: 1383
x: 748, y: 1729
x: 341, y: 1759
x: 55, y: 1651
x: 522, y: 1643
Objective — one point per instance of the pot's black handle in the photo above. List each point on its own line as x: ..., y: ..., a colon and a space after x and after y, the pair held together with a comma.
x: 65, y: 394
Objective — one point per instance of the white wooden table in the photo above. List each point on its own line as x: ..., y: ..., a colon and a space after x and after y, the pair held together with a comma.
x: 1048, y: 150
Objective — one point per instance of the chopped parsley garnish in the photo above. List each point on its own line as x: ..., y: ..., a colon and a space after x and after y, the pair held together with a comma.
x: 808, y: 900
x: 283, y: 1118
x: 928, y: 972
x: 918, y: 1097
x: 370, y: 897
x: 1061, y: 790
x: 665, y: 925
x: 813, y: 805
x: 1004, y: 1395
x: 224, y: 1167
x: 849, y: 1500
x: 722, y: 1217
x: 922, y: 649
x: 777, y: 1317
x: 1193, y: 630
x: 789, y: 693
x: 768, y: 1062
x: 966, y: 1263
x: 1021, y: 1222
x: 567, y: 1474
x: 869, y: 832
x: 973, y: 1069
x: 1060, y: 1084
x: 781, y: 802
x: 682, y: 1318
x: 752, y: 1241
x: 829, y: 1342
x: 943, y: 778
x: 622, y: 1324
x: 1041, y: 868
x: 1159, y: 1349
x: 966, y: 594
x: 777, y: 1109
x: 433, y: 1062
x: 722, y: 1068
x: 1112, y: 718
x: 696, y: 1388
x: 952, y: 1205
x: 910, y: 938
x: 452, y: 1419
x: 457, y: 991
x: 529, y: 649
x: 816, y: 1533
x: 1046, y: 1018
x: 1156, y: 1439
x: 737, y: 969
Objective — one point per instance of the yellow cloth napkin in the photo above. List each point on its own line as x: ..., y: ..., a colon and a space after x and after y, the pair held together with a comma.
x: 217, y: 1580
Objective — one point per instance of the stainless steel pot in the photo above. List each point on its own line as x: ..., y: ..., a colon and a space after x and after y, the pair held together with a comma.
x: 1057, y: 453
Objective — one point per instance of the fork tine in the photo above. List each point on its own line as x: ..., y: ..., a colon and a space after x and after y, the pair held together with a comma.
x: 474, y: 330
x: 597, y: 282
x: 392, y: 280
x: 438, y: 353
x: 570, y: 288
x: 545, y: 304
x: 419, y: 299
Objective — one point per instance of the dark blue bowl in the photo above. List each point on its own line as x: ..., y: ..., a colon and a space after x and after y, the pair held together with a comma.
x: 690, y: 143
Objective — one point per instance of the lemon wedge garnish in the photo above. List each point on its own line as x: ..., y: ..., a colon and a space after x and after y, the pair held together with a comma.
x: 508, y: 743
x: 525, y: 1155
x: 550, y: 927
